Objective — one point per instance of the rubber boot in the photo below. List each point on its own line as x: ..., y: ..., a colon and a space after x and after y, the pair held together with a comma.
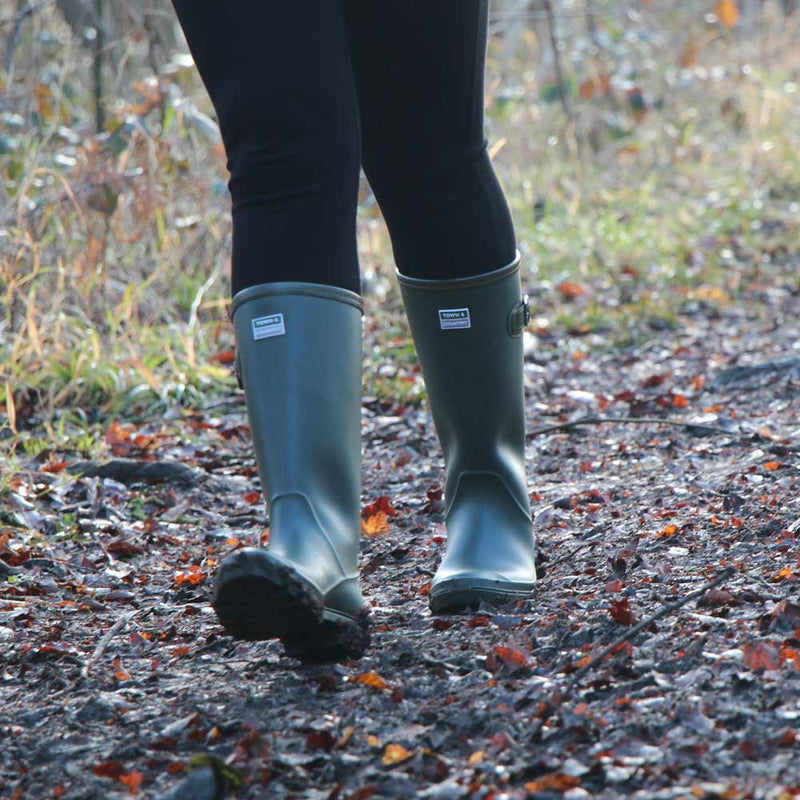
x: 468, y: 336
x: 299, y: 359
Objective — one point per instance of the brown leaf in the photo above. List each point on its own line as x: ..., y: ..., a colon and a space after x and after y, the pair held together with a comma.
x: 109, y: 769
x: 555, y: 781
x: 320, y: 740
x: 761, y: 655
x: 620, y: 611
x: 118, y: 438
x: 224, y: 356
x: 124, y: 548
x: 570, y: 290
x: 717, y: 597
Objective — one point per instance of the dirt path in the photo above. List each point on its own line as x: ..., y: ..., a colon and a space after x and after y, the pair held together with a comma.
x: 114, y: 674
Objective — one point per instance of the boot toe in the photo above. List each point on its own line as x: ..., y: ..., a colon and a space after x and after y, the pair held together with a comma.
x: 468, y: 590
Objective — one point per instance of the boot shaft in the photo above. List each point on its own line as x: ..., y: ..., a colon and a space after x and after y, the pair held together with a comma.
x: 467, y: 334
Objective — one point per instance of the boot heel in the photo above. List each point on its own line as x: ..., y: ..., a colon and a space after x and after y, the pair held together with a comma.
x: 259, y: 597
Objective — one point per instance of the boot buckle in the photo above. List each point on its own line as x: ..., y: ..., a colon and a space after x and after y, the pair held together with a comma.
x: 519, y: 317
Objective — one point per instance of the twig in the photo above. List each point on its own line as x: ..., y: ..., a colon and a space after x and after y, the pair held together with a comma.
x: 106, y: 640
x: 594, y: 420
x: 551, y: 704
x: 25, y: 12
x: 640, y: 626
x: 563, y: 89
x: 98, y: 59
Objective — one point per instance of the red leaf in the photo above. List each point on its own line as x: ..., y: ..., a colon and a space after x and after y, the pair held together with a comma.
x: 118, y: 438
x: 132, y: 780
x: 435, y: 504
x: 252, y: 497
x: 620, y: 611
x: 381, y: 504
x: 124, y: 548
x: 762, y: 656
x: 512, y: 656
x: 109, y: 769
x: 224, y: 356
x: 320, y: 740
x: 570, y: 290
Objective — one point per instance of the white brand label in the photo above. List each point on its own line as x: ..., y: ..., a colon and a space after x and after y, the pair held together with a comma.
x: 450, y: 318
x: 264, y: 327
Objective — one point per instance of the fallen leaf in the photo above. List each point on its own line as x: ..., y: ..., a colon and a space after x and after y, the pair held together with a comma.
x: 320, y: 740
x: 124, y: 548
x: 381, y: 504
x: 375, y: 524
x: 395, y: 754
x: 373, y: 680
x: 555, y: 781
x: 762, y: 655
x: 570, y: 290
x: 109, y: 769
x: 620, y: 611
x: 727, y: 12
x: 132, y: 780
x: 118, y: 438
x: 119, y: 671
x: 512, y: 656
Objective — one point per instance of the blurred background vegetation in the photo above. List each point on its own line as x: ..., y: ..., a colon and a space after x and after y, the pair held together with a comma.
x: 649, y: 150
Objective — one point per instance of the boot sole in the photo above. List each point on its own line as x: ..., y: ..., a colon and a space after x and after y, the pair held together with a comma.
x: 258, y: 598
x: 460, y: 594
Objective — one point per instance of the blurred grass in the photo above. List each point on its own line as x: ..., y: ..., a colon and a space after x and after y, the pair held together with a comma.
x: 674, y: 181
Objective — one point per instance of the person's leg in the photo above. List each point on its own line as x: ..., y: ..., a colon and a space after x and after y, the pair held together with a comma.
x: 419, y: 68
x: 281, y: 80
x: 419, y: 71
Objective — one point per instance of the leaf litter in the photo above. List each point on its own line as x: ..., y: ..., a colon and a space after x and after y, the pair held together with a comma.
x: 117, y: 680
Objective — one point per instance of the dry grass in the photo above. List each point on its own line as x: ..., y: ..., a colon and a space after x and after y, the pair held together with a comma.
x: 114, y: 248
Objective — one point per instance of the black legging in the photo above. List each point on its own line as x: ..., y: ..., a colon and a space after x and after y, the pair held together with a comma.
x: 305, y: 90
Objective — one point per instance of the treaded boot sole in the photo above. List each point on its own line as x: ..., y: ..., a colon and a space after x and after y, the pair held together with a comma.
x: 455, y: 595
x: 258, y: 598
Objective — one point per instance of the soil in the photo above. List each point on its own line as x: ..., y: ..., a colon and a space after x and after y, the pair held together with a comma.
x: 116, y: 678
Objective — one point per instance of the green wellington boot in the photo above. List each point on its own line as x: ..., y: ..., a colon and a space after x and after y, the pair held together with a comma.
x: 468, y: 335
x: 299, y: 356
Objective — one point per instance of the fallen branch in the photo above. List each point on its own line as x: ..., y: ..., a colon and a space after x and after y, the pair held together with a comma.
x: 106, y: 640
x: 129, y: 471
x: 552, y: 703
x: 594, y: 420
